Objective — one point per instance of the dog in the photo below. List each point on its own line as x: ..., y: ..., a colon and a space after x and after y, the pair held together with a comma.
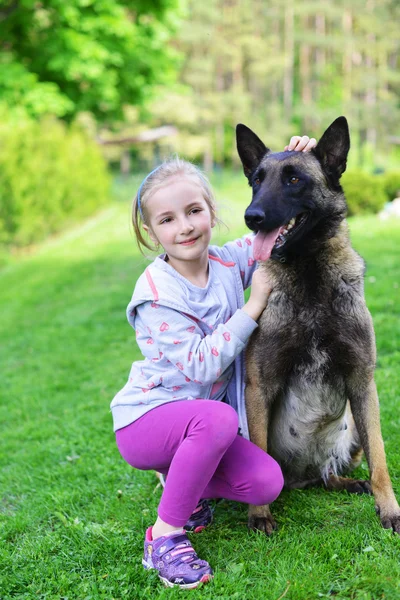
x: 311, y: 400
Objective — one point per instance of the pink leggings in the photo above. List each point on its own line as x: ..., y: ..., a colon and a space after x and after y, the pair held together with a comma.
x: 196, y: 443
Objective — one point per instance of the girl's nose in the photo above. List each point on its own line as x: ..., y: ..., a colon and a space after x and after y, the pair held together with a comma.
x: 186, y: 226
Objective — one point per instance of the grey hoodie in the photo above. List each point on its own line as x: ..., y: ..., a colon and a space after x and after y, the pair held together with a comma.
x: 191, y: 338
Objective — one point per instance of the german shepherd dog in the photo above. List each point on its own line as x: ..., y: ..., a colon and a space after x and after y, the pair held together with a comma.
x: 311, y: 399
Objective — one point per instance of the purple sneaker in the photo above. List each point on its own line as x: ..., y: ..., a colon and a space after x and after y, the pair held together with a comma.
x: 175, y: 560
x: 200, y: 518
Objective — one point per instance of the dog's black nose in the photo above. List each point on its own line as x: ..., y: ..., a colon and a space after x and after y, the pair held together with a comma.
x: 253, y: 218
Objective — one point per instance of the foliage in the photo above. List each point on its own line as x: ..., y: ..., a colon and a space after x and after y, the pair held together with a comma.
x: 391, y: 184
x: 50, y: 175
x: 63, y: 58
x: 73, y: 513
x: 281, y: 67
x: 286, y: 68
x: 364, y: 192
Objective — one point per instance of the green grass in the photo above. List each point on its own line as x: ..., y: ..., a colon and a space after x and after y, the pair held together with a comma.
x: 73, y: 514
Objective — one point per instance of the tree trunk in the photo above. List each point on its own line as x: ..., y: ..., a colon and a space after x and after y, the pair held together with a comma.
x: 289, y: 66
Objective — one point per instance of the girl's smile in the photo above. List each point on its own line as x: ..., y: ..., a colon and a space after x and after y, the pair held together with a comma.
x: 189, y: 242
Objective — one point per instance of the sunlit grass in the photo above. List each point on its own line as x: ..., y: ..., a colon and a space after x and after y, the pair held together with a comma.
x: 73, y: 514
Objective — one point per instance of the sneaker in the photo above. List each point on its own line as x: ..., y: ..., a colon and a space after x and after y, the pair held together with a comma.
x: 201, y: 517
x: 175, y: 560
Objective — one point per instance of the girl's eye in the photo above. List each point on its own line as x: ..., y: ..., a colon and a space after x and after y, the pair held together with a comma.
x: 167, y: 220
x: 195, y: 210
x: 294, y: 180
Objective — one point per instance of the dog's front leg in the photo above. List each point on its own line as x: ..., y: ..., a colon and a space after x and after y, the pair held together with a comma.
x: 260, y: 517
x: 365, y: 408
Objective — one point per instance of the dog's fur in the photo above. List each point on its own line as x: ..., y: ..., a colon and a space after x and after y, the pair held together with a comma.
x: 310, y: 393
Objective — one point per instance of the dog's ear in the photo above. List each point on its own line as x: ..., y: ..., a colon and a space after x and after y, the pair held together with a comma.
x: 333, y: 147
x: 250, y: 148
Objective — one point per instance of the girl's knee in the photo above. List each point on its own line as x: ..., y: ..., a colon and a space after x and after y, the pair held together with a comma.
x: 267, y: 483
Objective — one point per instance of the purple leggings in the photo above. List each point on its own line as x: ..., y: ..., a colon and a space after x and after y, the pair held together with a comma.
x: 196, y: 443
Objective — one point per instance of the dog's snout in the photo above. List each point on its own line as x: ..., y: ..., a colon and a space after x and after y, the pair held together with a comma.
x: 254, y: 218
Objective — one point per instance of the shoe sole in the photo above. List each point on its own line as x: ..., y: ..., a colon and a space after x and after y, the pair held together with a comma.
x: 187, y: 586
x: 184, y: 586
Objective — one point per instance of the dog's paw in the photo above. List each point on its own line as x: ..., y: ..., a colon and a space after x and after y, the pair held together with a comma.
x: 389, y: 521
x: 265, y: 524
x: 352, y: 486
x: 260, y: 519
x: 359, y: 486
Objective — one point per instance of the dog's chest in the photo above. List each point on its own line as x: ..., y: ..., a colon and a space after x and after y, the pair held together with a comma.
x: 309, y: 334
x: 310, y: 432
x: 306, y: 337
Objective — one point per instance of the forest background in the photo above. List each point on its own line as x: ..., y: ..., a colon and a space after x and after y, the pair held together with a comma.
x: 131, y: 82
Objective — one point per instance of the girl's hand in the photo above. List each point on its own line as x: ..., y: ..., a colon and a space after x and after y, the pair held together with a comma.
x: 301, y: 144
x: 259, y: 294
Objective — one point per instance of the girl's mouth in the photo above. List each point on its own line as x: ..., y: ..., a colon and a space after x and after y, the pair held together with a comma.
x: 188, y: 242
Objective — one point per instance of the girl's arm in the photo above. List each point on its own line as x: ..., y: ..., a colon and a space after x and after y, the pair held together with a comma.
x: 178, y: 338
x: 241, y: 252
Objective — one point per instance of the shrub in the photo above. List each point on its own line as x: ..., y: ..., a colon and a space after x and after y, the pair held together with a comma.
x: 391, y: 183
x: 50, y: 175
x: 364, y: 192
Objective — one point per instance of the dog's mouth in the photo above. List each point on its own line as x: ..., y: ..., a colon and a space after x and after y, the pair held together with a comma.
x: 266, y: 243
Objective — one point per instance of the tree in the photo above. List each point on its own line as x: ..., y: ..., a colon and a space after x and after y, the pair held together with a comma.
x: 84, y: 55
x: 288, y: 67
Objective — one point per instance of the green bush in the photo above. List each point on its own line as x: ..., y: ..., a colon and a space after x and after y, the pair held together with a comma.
x: 50, y: 175
x: 391, y: 183
x: 365, y: 193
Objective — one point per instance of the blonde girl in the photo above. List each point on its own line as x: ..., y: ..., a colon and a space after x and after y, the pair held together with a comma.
x: 182, y: 410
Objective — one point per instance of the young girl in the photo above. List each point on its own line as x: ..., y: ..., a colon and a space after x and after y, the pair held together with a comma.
x: 191, y: 325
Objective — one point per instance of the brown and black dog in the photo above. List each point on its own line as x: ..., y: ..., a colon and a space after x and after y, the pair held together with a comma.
x: 311, y: 398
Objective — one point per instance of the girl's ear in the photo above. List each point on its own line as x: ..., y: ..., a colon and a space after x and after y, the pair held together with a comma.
x: 150, y: 233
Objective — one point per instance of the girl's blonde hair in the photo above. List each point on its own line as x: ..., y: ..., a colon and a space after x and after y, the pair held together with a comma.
x: 153, y: 182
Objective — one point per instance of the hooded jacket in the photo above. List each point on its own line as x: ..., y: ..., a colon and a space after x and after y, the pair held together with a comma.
x: 191, y: 338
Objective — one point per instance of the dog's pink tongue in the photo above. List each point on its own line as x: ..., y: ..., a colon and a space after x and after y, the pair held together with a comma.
x: 263, y: 244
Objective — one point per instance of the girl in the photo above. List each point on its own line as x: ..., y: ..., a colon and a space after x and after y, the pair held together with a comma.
x: 191, y: 325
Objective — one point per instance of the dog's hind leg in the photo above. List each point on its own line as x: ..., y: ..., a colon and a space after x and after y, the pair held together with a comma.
x: 334, y: 483
x: 356, y: 458
x: 352, y: 486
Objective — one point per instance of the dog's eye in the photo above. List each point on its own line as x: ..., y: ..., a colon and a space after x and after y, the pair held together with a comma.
x: 257, y: 182
x: 294, y: 180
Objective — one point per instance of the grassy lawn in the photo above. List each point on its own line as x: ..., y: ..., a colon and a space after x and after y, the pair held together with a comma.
x: 73, y: 514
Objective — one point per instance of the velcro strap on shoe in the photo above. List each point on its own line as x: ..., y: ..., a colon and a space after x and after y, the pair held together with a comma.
x: 183, y: 550
x: 170, y: 543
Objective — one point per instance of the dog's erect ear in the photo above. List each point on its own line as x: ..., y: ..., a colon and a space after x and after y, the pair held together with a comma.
x: 333, y: 147
x: 250, y: 148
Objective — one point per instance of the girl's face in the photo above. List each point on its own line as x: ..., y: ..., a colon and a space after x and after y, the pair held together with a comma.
x: 180, y: 220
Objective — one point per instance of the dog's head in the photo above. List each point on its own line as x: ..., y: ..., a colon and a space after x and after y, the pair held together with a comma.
x: 297, y: 198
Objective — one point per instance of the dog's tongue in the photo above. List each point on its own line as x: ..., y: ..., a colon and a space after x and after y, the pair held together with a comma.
x: 263, y: 244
